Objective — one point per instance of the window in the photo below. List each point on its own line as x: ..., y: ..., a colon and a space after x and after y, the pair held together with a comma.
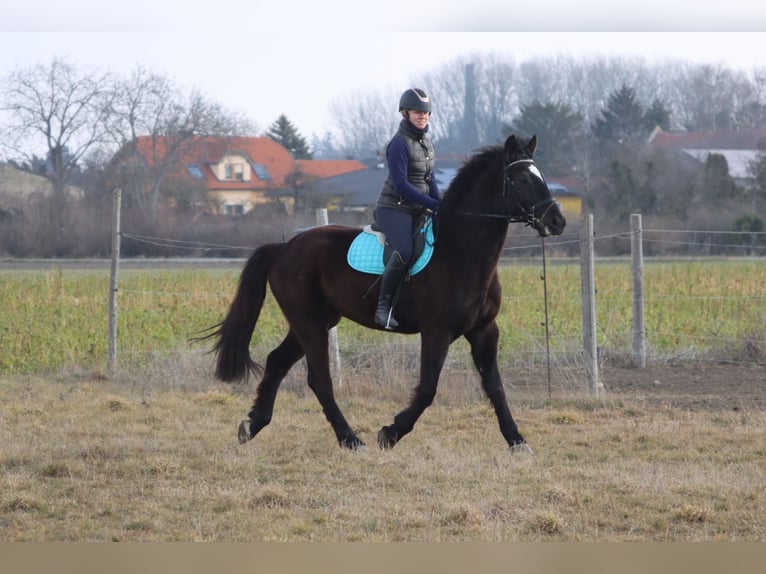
x: 194, y: 171
x: 261, y: 171
x: 234, y: 171
x: 234, y: 209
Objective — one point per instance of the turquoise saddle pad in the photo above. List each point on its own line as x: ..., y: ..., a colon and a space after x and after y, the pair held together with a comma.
x: 366, y: 252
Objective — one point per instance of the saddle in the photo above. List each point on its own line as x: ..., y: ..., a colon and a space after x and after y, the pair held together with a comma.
x: 369, y: 250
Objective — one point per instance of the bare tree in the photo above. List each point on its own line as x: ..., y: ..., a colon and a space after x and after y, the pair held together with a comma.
x: 695, y: 97
x: 56, y: 108
x: 710, y: 98
x: 150, y: 105
x: 472, y: 97
x: 752, y: 111
x: 446, y: 86
x: 365, y: 122
x: 498, y: 98
x: 138, y: 107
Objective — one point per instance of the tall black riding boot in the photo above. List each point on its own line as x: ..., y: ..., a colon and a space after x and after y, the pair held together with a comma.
x: 389, y: 282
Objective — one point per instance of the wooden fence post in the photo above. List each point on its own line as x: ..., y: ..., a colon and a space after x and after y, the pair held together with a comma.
x: 114, y: 272
x: 637, y: 256
x: 588, y: 291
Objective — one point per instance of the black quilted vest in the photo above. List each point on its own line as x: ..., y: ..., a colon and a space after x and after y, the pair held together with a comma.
x: 419, y: 169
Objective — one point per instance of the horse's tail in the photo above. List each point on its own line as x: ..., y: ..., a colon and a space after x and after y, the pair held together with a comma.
x: 233, y: 361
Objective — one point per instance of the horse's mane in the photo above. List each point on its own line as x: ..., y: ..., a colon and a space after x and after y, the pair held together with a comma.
x: 470, y: 172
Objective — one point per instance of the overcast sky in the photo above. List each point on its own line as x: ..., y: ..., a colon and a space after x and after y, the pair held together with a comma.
x: 296, y: 57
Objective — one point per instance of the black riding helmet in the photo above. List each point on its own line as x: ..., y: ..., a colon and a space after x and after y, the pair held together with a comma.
x: 415, y: 99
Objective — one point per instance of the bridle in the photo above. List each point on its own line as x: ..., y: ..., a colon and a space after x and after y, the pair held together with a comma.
x: 509, y: 186
x: 509, y: 190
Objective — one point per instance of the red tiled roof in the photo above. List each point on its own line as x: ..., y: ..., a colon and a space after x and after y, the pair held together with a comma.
x: 324, y: 168
x: 741, y: 139
x: 204, y: 151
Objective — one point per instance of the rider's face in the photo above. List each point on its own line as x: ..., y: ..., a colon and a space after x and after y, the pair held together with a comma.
x: 418, y: 119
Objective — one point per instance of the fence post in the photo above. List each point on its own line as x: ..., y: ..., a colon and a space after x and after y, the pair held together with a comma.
x: 114, y: 272
x: 588, y: 291
x: 335, y: 371
x: 637, y: 256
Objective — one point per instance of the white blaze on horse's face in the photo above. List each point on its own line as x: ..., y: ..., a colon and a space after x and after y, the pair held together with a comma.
x: 535, y: 198
x: 538, y: 183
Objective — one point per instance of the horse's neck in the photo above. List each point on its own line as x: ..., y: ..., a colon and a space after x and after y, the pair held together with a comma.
x: 473, y: 242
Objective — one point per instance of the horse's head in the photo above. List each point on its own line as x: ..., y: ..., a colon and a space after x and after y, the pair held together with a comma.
x: 526, y: 191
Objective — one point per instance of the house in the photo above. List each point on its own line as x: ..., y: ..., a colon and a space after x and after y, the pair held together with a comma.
x: 242, y: 172
x: 358, y: 190
x: 569, y: 200
x: 739, y: 148
x: 352, y: 191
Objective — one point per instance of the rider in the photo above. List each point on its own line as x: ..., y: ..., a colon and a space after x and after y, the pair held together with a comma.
x: 409, y: 191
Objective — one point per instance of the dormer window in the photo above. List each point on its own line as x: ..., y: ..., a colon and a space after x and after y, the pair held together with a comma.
x: 194, y: 171
x: 234, y: 171
x: 261, y: 171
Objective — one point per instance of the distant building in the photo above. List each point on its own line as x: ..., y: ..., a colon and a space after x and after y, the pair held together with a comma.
x: 358, y: 190
x: 569, y: 200
x: 242, y: 172
x: 738, y: 147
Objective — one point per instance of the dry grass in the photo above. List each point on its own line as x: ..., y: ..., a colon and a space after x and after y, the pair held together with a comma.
x: 153, y: 456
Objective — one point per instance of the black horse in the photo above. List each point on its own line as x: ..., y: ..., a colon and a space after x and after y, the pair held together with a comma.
x: 457, y: 294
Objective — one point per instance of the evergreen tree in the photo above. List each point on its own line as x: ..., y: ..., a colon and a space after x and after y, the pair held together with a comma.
x: 657, y: 115
x: 718, y: 182
x: 623, y: 118
x: 558, y: 129
x: 756, y: 169
x: 284, y: 132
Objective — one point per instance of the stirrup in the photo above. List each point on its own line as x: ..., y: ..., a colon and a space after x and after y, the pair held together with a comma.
x: 389, y: 324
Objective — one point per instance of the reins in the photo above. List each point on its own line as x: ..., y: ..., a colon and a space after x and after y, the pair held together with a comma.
x: 544, y: 278
x: 528, y: 215
x: 528, y: 218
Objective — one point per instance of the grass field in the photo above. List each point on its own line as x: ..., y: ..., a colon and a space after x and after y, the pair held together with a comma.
x: 53, y: 319
x: 151, y: 453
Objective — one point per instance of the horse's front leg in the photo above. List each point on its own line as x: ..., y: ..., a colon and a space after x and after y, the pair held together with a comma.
x: 483, y: 342
x: 320, y: 381
x: 433, y: 352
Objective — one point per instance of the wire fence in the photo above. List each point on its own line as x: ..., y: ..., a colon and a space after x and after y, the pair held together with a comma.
x: 739, y: 339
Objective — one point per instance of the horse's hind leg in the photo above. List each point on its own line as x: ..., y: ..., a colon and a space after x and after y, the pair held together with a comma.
x: 278, y: 363
x: 484, y: 352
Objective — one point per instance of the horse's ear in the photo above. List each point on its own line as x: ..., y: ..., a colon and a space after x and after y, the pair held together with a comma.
x: 512, y: 146
x: 532, y: 145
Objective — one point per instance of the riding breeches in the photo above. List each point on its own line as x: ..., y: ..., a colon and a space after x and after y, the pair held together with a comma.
x: 398, y: 226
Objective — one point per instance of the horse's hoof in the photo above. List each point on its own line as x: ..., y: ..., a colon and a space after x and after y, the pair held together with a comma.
x: 243, y: 432
x: 520, y: 448
x: 385, y: 442
x: 352, y: 443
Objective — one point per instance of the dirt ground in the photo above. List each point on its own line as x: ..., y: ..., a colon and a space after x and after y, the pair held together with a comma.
x: 698, y: 386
